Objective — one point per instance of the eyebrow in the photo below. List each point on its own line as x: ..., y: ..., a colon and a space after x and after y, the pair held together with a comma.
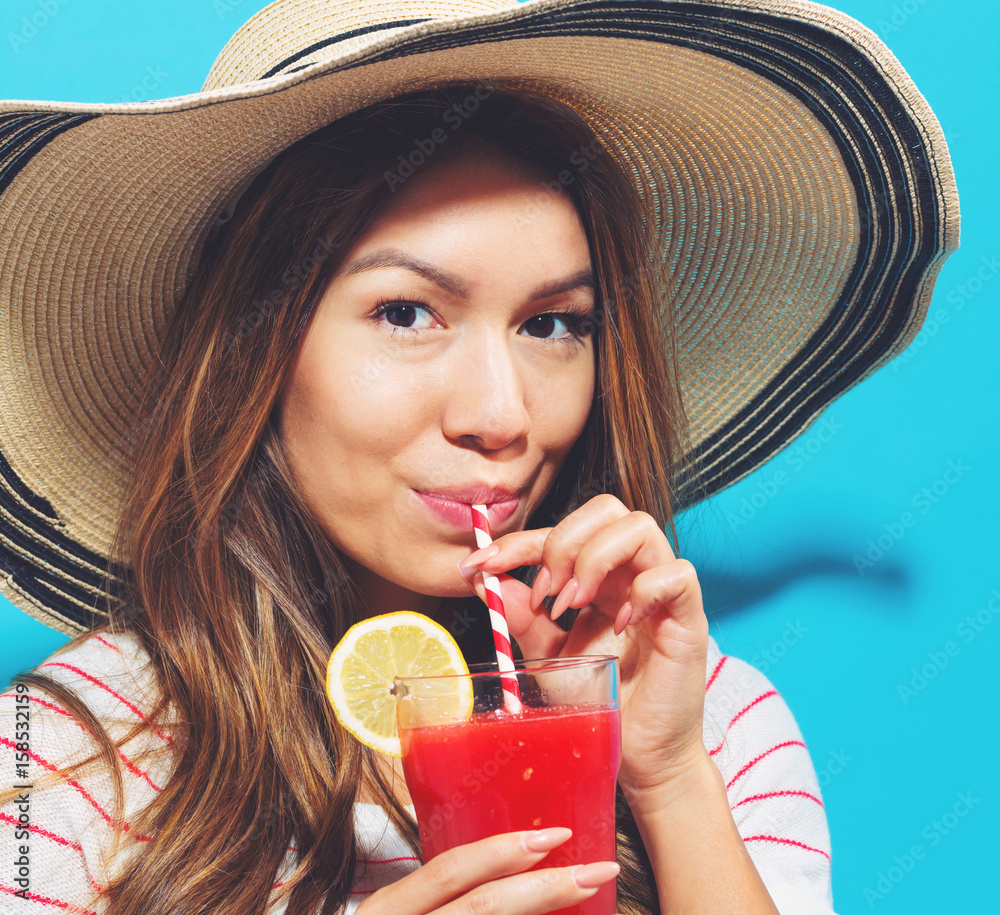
x: 393, y: 257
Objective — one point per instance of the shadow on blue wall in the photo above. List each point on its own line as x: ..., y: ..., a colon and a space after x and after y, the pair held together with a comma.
x: 726, y: 594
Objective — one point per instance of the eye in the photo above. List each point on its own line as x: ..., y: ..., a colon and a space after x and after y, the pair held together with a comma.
x: 403, y: 314
x: 566, y: 325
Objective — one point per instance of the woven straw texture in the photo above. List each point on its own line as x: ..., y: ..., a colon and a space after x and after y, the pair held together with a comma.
x: 801, y: 188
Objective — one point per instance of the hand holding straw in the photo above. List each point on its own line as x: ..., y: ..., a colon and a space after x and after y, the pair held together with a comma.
x: 498, y: 618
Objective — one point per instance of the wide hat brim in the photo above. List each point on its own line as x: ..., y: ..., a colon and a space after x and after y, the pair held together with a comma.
x: 801, y: 185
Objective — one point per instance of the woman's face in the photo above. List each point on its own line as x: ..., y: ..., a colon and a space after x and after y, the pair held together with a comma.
x: 469, y: 383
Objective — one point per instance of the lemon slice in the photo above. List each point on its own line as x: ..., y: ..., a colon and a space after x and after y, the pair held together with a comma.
x: 361, y: 669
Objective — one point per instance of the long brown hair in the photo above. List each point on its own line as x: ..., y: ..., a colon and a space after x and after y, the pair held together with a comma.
x: 232, y: 587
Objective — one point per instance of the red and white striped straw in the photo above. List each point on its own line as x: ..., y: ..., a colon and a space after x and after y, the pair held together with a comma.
x: 498, y: 619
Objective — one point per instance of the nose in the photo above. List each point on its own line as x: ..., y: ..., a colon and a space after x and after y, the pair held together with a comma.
x: 485, y: 404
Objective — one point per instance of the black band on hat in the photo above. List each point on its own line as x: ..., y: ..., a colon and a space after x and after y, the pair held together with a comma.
x: 23, y: 135
x: 73, y: 580
x: 334, y: 39
x: 28, y: 523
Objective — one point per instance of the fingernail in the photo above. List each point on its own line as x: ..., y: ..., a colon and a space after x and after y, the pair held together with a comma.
x: 487, y: 552
x: 588, y: 876
x: 545, y: 839
x: 540, y: 588
x: 565, y: 598
x: 467, y: 574
x: 622, y: 620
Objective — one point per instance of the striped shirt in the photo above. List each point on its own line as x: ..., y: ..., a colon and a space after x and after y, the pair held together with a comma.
x: 55, y: 836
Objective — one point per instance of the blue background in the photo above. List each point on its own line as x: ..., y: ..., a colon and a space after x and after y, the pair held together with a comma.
x: 892, y: 686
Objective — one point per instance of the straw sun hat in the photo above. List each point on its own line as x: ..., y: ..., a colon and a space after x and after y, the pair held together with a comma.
x: 802, y: 190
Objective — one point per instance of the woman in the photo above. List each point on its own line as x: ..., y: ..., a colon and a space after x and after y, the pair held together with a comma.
x: 452, y: 296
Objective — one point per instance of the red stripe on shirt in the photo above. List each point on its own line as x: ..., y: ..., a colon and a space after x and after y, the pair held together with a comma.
x: 131, y: 766
x: 106, y: 642
x: 45, y: 900
x: 760, y: 797
x: 83, y: 791
x: 388, y: 860
x: 818, y: 851
x: 135, y: 770
x: 104, y: 686
x: 715, y: 672
x: 7, y: 818
x: 753, y: 762
x: 56, y: 708
x: 739, y: 715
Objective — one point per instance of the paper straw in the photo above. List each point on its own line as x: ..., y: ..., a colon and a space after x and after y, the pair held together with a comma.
x: 498, y: 619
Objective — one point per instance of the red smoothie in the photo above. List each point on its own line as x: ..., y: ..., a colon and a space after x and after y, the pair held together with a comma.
x: 499, y: 772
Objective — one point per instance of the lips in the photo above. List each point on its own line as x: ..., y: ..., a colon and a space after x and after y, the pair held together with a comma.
x: 454, y: 506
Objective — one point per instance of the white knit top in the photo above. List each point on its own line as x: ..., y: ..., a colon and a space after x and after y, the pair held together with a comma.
x: 55, y: 837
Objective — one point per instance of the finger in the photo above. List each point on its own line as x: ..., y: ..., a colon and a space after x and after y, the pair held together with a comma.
x: 673, y: 587
x: 536, y: 892
x: 635, y: 541
x: 536, y: 634
x: 465, y: 867
x: 555, y: 549
x: 518, y: 548
x: 565, y: 542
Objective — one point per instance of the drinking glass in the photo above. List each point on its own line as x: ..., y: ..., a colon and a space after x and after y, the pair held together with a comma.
x: 555, y: 763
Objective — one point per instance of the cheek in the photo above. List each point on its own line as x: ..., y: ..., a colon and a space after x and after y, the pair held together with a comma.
x: 561, y: 405
x: 382, y: 402
x: 348, y: 404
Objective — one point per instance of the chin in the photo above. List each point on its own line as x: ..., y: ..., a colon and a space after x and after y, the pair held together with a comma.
x: 449, y: 590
